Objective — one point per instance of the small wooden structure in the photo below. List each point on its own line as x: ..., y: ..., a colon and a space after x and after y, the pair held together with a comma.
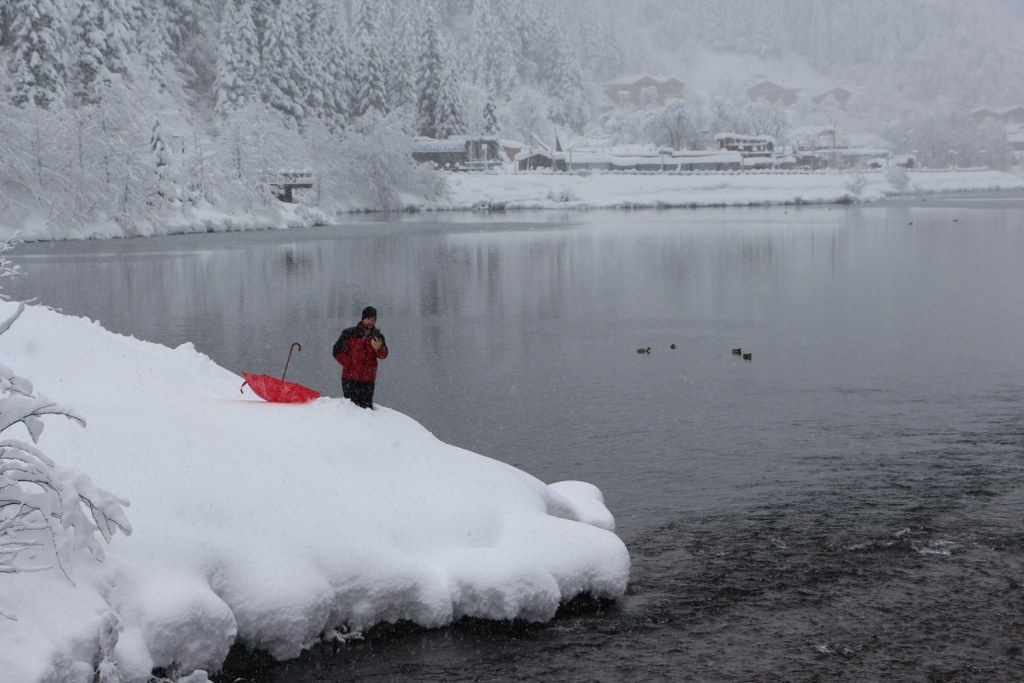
x: 288, y: 182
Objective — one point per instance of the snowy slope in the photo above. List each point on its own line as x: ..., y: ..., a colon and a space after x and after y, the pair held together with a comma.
x: 273, y: 523
x: 538, y: 190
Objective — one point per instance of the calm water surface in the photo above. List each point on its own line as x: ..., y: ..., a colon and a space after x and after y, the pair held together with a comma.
x: 848, y: 504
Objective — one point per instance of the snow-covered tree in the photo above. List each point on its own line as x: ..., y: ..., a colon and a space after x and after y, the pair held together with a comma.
x: 431, y: 72
x: 449, y: 118
x: 282, y: 62
x: 572, y: 109
x: 46, y: 512
x: 37, y: 42
x: 490, y: 117
x: 373, y: 163
x: 761, y: 118
x: 492, y: 53
x: 672, y: 125
x: 254, y: 143
x: 238, y: 62
x: 404, y: 50
x: 370, y: 69
x: 100, y: 44
x: 162, y: 163
x: 337, y: 78
x: 313, y: 39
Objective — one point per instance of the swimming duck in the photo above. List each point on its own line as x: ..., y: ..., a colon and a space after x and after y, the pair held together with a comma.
x: 644, y: 350
x: 748, y: 356
x: 737, y: 351
x: 672, y: 346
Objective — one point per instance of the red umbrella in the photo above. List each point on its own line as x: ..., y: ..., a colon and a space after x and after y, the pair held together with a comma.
x: 277, y: 390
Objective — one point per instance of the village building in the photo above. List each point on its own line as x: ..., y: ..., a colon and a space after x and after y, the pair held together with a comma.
x: 773, y: 93
x: 642, y: 90
x: 1011, y: 114
x: 465, y: 152
x: 757, y: 151
x: 630, y: 158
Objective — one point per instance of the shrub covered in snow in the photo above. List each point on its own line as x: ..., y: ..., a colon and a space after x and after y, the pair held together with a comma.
x: 47, y: 512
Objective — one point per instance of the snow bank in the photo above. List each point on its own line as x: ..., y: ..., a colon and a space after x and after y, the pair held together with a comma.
x: 272, y: 524
x: 194, y: 219
x: 537, y: 190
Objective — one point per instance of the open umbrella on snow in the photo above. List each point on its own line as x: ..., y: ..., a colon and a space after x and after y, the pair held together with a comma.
x: 277, y: 390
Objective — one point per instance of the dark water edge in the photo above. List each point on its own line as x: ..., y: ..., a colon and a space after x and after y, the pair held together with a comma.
x: 385, y: 639
x: 920, y: 580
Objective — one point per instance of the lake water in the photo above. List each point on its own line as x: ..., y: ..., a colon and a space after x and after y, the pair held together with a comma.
x: 848, y: 504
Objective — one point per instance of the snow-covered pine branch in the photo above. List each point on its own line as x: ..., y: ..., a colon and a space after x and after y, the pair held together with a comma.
x: 46, y: 511
x: 7, y: 269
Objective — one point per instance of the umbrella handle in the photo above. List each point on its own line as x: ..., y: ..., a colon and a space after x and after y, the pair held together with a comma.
x: 294, y: 344
x: 240, y: 389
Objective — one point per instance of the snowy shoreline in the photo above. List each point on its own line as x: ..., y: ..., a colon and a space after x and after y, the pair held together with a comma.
x: 273, y: 526
x: 498, y: 191
x: 533, y: 191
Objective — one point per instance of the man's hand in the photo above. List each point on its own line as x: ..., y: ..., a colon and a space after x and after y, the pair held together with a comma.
x: 375, y: 343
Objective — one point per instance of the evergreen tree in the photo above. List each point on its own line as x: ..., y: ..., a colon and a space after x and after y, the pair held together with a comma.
x: 493, y: 56
x: 370, y: 67
x: 282, y: 63
x: 262, y: 11
x: 490, y: 117
x: 431, y: 71
x: 312, y: 46
x: 337, y: 78
x: 449, y: 118
x: 6, y: 19
x: 155, y: 60
x: 567, y: 87
x: 238, y: 62
x: 403, y: 50
x: 161, y: 161
x: 100, y: 45
x: 37, y: 44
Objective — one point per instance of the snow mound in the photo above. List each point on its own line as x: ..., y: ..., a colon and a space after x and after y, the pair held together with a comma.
x: 272, y: 524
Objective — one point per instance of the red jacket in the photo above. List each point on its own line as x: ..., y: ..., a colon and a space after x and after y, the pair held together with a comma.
x: 357, y: 357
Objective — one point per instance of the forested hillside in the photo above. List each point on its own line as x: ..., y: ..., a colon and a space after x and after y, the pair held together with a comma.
x: 122, y: 110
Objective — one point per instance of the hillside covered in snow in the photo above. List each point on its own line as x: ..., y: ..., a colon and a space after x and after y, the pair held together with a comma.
x: 137, y: 117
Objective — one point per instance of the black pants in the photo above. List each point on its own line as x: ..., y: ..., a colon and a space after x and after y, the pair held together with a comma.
x: 360, y: 393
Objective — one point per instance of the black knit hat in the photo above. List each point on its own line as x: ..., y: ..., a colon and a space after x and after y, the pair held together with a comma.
x: 369, y: 312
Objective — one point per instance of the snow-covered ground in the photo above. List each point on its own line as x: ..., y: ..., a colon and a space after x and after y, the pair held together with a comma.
x: 273, y: 524
x: 200, y: 219
x: 537, y: 190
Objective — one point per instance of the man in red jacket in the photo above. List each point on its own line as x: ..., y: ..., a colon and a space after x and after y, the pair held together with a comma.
x: 358, y: 349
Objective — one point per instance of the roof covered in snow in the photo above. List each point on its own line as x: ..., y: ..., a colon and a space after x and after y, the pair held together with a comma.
x: 744, y: 138
x: 760, y: 83
x: 631, y: 79
x: 453, y: 144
